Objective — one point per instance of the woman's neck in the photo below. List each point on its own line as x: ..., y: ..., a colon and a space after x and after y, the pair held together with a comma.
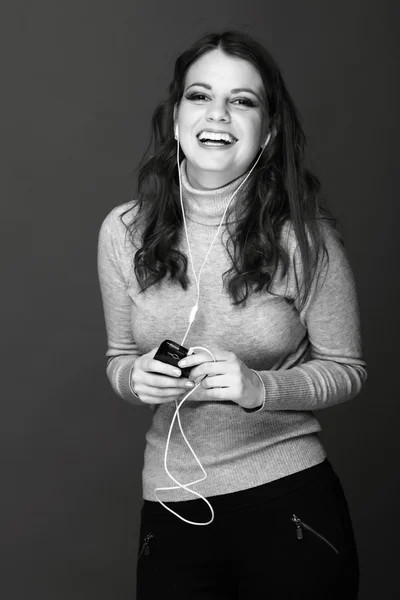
x: 207, y: 206
x: 209, y: 180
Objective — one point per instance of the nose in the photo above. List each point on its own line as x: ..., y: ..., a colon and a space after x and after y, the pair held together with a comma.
x: 217, y: 111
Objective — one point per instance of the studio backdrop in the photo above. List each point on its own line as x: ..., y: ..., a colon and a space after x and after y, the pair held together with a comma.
x: 80, y: 81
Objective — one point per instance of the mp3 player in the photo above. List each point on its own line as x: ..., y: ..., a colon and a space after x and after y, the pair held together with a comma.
x: 171, y: 353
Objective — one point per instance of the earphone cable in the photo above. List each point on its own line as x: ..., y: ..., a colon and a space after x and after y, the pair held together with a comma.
x: 191, y: 319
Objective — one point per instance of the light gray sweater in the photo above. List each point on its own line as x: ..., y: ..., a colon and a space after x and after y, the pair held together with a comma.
x: 307, y: 360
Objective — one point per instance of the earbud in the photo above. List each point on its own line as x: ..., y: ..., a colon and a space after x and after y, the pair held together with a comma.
x: 176, y: 132
x: 266, y: 141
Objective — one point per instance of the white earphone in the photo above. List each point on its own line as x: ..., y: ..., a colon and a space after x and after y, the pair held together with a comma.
x: 192, y: 317
x: 262, y: 147
x: 266, y: 141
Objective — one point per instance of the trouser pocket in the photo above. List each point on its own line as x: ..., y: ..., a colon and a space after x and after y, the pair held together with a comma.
x: 145, y: 548
x: 301, y: 526
x: 301, y: 543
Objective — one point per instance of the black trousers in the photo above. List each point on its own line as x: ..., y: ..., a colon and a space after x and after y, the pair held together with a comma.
x: 291, y: 538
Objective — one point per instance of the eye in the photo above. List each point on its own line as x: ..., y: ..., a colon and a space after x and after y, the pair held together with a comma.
x: 195, y: 96
x: 246, y: 101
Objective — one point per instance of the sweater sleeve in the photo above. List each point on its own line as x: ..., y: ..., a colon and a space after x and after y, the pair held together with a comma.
x: 335, y: 371
x: 122, y: 350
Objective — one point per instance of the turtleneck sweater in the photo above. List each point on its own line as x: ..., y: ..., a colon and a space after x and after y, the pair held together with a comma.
x: 308, y: 358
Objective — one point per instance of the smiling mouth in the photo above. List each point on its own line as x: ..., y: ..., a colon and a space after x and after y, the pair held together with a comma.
x: 216, y: 143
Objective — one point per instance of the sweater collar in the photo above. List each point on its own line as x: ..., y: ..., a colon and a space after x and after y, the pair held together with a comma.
x: 207, y: 206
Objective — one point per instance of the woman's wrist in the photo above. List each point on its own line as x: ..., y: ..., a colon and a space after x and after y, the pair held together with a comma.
x: 132, y: 389
x: 261, y: 403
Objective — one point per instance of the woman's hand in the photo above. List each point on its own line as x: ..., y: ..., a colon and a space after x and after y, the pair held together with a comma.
x: 226, y: 379
x: 156, y: 382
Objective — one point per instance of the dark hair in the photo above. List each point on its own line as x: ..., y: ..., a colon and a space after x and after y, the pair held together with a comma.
x: 281, y: 188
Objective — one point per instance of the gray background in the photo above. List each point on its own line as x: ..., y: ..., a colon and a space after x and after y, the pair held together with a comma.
x: 79, y: 83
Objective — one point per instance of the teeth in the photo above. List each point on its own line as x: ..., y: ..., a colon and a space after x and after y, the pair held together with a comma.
x: 213, y: 143
x: 209, y: 135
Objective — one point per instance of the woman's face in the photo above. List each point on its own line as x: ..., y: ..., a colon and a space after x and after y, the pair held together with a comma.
x: 212, y: 100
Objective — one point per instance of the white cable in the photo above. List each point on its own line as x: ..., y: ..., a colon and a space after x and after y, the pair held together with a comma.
x: 185, y: 485
x: 191, y: 319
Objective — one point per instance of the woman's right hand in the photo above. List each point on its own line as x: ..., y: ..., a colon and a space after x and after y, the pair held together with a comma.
x: 156, y: 382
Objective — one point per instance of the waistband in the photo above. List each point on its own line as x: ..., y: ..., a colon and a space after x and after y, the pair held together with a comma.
x: 249, y: 497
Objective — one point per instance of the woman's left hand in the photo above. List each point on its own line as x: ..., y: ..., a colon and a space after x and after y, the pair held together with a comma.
x: 226, y: 379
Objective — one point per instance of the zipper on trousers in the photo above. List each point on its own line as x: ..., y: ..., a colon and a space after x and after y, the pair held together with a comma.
x: 145, y: 546
x: 299, y: 530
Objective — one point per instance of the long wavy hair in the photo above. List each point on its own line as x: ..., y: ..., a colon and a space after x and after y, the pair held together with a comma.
x: 281, y: 188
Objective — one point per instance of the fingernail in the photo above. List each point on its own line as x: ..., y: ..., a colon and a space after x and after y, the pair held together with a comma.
x: 182, y: 363
x: 177, y: 372
x: 189, y: 384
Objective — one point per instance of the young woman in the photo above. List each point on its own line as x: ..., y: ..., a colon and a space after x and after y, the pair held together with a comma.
x: 229, y: 252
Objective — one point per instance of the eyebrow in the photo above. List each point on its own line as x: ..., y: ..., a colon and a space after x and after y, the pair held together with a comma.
x: 234, y: 91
